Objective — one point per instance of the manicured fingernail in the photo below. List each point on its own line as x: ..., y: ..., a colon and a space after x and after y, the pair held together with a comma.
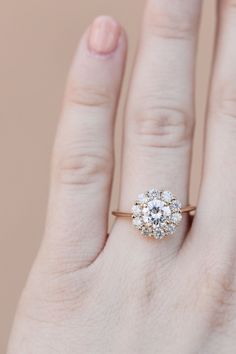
x: 104, y: 35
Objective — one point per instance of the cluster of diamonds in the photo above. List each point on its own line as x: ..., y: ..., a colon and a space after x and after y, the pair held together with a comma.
x: 156, y: 213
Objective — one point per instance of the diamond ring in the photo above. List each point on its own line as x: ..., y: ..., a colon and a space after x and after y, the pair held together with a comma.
x: 156, y: 213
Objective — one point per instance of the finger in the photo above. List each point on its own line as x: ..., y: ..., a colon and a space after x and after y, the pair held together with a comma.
x: 218, y: 192
x: 159, y: 121
x: 83, y: 153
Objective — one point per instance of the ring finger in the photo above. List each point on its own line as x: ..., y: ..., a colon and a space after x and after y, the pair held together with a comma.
x: 160, y: 110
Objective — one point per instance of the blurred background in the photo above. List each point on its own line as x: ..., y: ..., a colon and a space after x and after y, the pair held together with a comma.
x: 38, y: 39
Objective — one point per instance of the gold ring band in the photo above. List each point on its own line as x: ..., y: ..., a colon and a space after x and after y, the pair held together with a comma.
x: 117, y: 213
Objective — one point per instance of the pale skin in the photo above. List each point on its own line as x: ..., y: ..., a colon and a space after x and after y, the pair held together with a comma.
x: 87, y: 293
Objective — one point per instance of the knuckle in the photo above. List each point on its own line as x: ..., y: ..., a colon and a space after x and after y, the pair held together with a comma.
x: 165, y: 21
x: 88, y: 96
x: 83, y: 167
x: 161, y: 126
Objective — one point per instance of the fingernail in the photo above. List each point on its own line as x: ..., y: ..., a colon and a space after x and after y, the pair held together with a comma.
x: 104, y: 35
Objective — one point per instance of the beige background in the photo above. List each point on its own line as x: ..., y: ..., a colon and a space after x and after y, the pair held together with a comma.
x: 38, y: 38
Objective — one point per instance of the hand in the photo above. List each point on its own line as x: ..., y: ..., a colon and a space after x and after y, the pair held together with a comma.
x: 126, y: 294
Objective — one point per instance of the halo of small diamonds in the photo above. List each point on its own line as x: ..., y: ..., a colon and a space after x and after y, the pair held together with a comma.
x: 156, y: 213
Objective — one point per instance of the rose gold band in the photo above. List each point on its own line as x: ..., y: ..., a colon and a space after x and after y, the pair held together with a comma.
x: 187, y: 209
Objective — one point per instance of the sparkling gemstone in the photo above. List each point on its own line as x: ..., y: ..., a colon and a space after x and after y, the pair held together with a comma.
x: 158, y: 203
x: 146, y: 211
x: 151, y: 204
x: 146, y: 219
x: 176, y: 205
x: 156, y: 216
x: 159, y: 234
x: 166, y: 211
x: 167, y: 196
x: 176, y: 218
x: 137, y: 222
x: 136, y: 210
x: 142, y: 198
x: 170, y: 228
x: 145, y: 232
x: 154, y: 193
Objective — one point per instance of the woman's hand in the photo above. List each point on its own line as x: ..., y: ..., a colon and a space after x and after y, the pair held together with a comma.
x: 125, y: 294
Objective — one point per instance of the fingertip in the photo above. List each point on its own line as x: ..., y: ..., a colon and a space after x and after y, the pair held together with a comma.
x: 98, y: 57
x: 104, y: 35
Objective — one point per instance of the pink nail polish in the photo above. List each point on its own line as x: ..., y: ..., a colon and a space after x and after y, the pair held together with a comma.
x: 104, y: 35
